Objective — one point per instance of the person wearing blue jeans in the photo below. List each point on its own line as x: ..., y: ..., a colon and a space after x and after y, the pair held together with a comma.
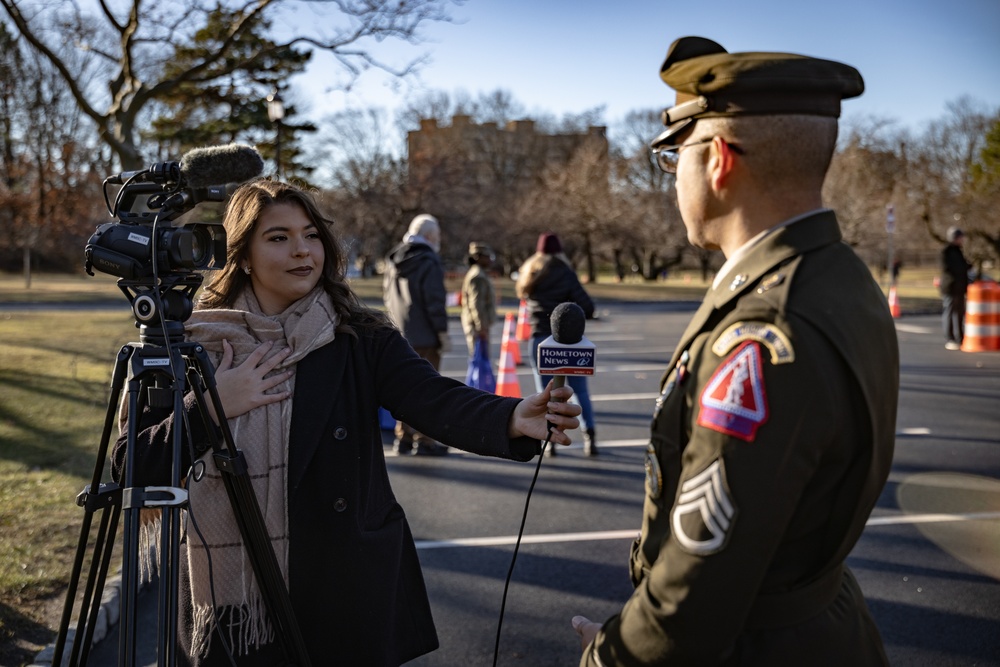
x: 544, y: 281
x: 581, y: 395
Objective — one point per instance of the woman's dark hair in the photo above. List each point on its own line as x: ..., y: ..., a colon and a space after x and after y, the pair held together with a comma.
x: 240, y: 221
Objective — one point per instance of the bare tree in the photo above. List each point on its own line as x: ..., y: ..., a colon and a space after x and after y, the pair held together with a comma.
x: 50, y: 193
x: 648, y: 232
x: 863, y: 180
x: 366, y: 197
x: 130, y: 47
x: 575, y: 198
x: 940, y: 181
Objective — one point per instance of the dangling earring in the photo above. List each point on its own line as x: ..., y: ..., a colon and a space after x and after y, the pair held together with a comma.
x: 246, y: 269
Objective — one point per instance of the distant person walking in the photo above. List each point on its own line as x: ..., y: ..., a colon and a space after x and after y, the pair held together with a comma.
x: 954, y: 281
x: 545, y: 280
x: 414, y: 295
x: 479, y: 298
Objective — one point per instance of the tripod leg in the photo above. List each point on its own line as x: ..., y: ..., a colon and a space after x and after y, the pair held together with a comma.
x: 101, y: 576
x: 171, y: 526
x: 130, y: 538
x: 92, y: 500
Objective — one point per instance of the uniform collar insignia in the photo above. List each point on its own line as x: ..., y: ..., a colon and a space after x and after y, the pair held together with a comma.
x: 771, y: 281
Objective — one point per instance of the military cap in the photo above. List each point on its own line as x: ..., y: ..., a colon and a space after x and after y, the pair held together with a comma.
x: 480, y: 248
x: 711, y: 82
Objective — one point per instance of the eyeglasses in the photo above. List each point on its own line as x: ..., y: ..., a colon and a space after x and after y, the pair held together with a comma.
x: 667, y: 156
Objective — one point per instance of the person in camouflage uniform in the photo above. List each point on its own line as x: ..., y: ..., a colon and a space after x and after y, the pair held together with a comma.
x: 479, y: 299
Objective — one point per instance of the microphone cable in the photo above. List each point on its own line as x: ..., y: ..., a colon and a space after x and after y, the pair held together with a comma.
x: 517, y: 543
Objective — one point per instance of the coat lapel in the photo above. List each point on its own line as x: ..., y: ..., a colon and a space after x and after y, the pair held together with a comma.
x: 317, y: 380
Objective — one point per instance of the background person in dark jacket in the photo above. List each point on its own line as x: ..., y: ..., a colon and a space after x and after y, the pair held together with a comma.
x: 545, y: 280
x: 414, y: 295
x: 954, y: 282
x: 302, y: 367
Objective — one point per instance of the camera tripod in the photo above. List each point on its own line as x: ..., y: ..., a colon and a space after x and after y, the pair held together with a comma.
x: 160, y: 374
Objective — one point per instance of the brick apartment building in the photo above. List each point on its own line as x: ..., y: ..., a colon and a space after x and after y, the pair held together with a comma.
x: 474, y: 177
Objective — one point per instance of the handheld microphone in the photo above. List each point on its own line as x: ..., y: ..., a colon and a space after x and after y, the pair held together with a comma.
x: 566, y: 351
x: 219, y: 165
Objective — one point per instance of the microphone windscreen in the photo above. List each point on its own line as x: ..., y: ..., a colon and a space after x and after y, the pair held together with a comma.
x: 220, y: 165
x: 568, y: 321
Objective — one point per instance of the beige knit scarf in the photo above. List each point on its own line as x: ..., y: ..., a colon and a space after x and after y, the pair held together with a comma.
x: 262, y: 435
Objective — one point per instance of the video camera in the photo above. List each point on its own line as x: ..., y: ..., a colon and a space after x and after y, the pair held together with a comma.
x: 158, y: 266
x: 137, y: 248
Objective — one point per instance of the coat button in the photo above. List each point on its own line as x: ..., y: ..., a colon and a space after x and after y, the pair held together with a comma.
x: 340, y: 433
x: 339, y: 505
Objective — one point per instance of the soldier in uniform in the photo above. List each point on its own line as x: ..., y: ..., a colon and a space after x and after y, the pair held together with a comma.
x: 479, y: 299
x: 773, y: 434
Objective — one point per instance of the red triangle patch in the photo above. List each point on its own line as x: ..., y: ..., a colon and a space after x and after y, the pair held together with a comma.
x: 734, y: 401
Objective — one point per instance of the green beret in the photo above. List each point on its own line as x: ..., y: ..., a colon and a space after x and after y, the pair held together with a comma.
x: 711, y: 82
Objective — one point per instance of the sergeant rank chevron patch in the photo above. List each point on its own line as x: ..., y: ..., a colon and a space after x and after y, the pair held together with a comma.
x: 705, y: 512
x: 734, y: 401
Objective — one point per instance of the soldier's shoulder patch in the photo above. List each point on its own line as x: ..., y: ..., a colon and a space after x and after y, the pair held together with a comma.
x: 704, y: 513
x: 765, y: 333
x: 734, y: 401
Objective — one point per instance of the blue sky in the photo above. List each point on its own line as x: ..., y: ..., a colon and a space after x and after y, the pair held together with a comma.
x: 563, y: 56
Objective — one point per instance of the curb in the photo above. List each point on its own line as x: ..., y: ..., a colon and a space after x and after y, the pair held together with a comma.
x: 107, y: 617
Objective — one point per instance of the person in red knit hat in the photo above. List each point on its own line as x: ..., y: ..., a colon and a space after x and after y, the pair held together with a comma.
x: 545, y: 280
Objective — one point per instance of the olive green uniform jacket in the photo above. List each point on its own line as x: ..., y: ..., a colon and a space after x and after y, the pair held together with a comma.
x: 771, y: 441
x: 479, y: 304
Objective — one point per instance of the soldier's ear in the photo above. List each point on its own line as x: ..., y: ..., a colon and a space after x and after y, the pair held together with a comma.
x: 721, y: 163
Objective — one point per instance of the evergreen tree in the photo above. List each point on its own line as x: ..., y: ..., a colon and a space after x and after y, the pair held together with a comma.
x: 228, y: 106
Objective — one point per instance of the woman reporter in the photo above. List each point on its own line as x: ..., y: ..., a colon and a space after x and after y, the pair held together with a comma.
x: 302, y: 367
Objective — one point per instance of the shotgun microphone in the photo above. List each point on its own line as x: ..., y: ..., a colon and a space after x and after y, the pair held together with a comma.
x: 220, y: 165
x: 201, y: 168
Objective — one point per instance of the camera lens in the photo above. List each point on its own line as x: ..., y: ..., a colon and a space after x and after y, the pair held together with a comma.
x: 201, y: 245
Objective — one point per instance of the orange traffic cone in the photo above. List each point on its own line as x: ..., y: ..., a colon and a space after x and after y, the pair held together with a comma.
x: 894, y: 302
x: 509, y: 341
x: 507, y: 383
x: 523, y: 326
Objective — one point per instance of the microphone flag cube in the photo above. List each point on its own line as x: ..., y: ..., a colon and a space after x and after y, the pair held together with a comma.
x: 566, y: 359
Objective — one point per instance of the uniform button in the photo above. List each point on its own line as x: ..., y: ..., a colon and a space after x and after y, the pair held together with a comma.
x: 340, y: 433
x: 339, y: 505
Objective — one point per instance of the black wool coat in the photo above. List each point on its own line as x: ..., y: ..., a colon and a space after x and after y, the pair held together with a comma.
x: 354, y: 577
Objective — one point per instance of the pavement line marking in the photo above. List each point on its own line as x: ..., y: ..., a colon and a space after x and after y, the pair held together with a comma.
x: 665, y: 352
x: 604, y: 444
x: 912, y: 328
x: 527, y: 539
x: 606, y: 368
x: 624, y: 397
x: 598, y: 337
x: 552, y: 538
x: 931, y: 518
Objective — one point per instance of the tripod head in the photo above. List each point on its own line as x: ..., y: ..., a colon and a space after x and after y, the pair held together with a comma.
x: 160, y: 309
